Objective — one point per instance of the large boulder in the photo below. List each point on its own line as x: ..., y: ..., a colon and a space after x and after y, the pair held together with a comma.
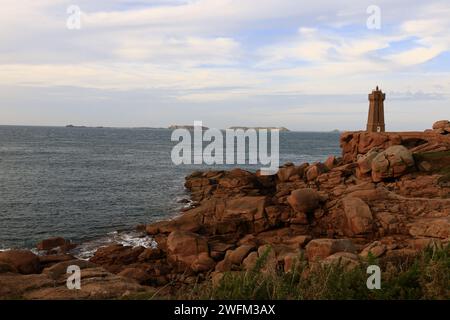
x: 441, y: 124
x: 392, y: 163
x: 203, y: 263
x: 365, y: 161
x: 247, y: 208
x: 51, y: 243
x: 238, y: 215
x: 250, y: 261
x: 24, y: 261
x: 347, y: 260
x: 358, y: 217
x: 115, y: 256
x: 237, y: 255
x: 288, y: 171
x: 315, y: 170
x: 322, y: 248
x: 331, y: 162
x: 304, y: 200
x: 185, y: 247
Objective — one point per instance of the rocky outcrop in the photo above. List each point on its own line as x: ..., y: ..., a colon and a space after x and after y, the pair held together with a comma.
x: 442, y: 127
x: 358, y: 143
x: 376, y: 200
x: 387, y: 197
x: 28, y: 280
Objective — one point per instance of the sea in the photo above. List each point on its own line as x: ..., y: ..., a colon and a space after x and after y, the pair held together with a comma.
x: 93, y: 186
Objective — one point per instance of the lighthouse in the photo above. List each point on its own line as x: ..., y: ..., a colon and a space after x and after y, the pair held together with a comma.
x: 375, y: 123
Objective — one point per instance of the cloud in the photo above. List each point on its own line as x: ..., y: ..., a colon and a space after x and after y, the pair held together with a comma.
x: 226, y: 51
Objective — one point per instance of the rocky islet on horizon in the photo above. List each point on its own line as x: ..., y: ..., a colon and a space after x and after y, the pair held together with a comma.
x: 389, y: 194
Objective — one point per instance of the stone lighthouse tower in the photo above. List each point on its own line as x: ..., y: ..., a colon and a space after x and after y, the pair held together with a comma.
x: 375, y: 123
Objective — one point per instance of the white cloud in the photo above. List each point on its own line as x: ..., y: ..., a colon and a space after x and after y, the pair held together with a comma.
x: 217, y: 50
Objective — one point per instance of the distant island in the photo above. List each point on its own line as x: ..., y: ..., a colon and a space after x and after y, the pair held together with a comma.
x: 191, y: 127
x: 283, y: 129
x: 72, y: 126
x: 187, y: 127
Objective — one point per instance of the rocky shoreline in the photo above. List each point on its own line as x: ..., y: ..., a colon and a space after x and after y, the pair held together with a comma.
x: 387, y: 196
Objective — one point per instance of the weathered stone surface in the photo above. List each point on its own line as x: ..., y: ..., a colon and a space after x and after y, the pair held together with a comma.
x: 239, y: 254
x: 358, y: 217
x: 360, y: 142
x: 322, y: 248
x: 23, y: 261
x: 51, y: 243
x: 286, y: 172
x: 250, y: 261
x: 188, y: 221
x: 297, y: 242
x: 313, y: 171
x: 346, y: 259
x: 376, y: 249
x: 59, y: 269
x: 365, y: 161
x: 185, y: 247
x: 331, y: 162
x: 304, y: 200
x: 203, y: 263
x: 116, y: 255
x: 290, y: 261
x: 391, y: 163
x: 441, y: 124
x: 49, y: 260
x: 150, y: 254
x: 435, y: 228
x: 135, y: 273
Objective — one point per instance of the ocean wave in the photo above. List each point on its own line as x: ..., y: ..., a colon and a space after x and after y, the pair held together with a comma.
x: 127, y: 238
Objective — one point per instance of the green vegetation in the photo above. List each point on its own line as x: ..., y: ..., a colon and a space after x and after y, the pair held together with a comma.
x: 439, y: 161
x: 425, y: 277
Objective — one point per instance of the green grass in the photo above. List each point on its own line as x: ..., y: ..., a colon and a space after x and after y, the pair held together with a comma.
x: 425, y: 277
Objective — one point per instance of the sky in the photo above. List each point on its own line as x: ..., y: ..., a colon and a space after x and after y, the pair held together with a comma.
x: 304, y: 65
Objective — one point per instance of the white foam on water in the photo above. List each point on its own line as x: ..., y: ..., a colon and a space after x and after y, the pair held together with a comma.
x: 130, y: 238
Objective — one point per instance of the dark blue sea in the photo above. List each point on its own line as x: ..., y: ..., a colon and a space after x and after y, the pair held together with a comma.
x: 93, y: 184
